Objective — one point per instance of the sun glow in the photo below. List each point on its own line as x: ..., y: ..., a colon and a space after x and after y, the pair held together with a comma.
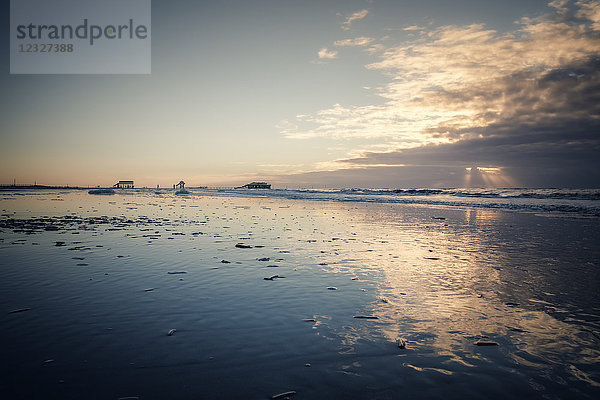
x: 487, y: 177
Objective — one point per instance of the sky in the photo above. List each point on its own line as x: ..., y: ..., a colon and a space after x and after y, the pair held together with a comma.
x: 429, y: 93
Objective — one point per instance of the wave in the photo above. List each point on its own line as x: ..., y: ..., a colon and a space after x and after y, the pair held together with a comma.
x: 505, y: 193
x: 585, y: 202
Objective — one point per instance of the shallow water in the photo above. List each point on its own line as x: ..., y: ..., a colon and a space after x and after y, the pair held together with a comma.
x: 527, y: 282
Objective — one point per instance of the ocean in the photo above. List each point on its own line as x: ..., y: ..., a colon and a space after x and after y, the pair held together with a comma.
x: 585, y: 202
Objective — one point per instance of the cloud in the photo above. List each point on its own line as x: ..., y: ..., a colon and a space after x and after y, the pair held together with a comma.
x: 414, y: 28
x: 470, y: 84
x: 356, y: 42
x: 324, y: 53
x: 591, y: 11
x: 539, y: 146
x: 376, y: 48
x: 561, y: 6
x: 543, y: 157
x: 347, y: 24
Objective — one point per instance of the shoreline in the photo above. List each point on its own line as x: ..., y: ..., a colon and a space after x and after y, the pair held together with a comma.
x: 549, y: 202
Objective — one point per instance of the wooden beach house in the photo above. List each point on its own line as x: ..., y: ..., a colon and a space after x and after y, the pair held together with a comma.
x: 256, y: 185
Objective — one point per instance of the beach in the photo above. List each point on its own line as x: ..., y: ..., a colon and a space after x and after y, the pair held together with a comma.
x: 218, y: 296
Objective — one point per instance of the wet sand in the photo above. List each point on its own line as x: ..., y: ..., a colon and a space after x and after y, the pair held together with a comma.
x: 162, y: 296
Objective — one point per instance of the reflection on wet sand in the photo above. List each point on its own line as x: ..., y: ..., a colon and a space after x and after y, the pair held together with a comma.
x: 445, y: 287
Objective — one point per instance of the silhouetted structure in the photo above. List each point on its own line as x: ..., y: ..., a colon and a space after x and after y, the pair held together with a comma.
x: 256, y: 185
x: 124, y: 185
x: 180, y: 185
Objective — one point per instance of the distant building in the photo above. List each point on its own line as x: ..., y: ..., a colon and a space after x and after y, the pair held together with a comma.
x: 256, y: 185
x: 180, y: 185
x: 124, y: 185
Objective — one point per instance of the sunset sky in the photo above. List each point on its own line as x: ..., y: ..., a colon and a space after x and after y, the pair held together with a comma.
x: 325, y: 94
